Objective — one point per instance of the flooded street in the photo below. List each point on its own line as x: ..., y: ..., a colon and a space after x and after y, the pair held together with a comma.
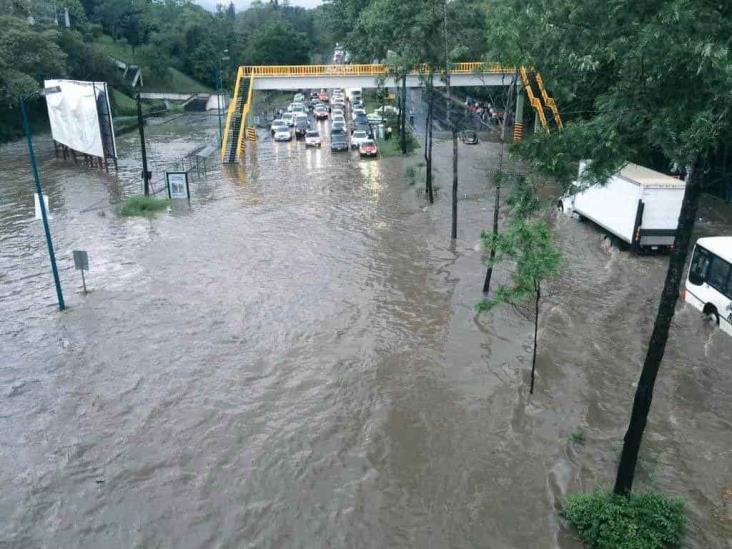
x: 294, y: 360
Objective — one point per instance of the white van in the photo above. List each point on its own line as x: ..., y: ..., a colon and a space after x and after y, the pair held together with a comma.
x: 709, y: 282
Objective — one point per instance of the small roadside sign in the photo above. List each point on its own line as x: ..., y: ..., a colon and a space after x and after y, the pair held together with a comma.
x: 177, y: 185
x: 37, y: 204
x: 81, y: 263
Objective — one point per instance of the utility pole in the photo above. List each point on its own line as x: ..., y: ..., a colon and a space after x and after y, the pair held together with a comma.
x: 39, y: 192
x: 141, y: 125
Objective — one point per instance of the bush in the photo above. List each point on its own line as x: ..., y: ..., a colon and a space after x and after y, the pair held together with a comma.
x: 143, y: 205
x: 641, y: 521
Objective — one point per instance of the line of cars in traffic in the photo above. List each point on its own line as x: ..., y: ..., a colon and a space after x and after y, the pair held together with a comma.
x: 334, y: 106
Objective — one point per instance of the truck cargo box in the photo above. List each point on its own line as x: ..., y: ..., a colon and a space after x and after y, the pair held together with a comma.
x: 638, y: 205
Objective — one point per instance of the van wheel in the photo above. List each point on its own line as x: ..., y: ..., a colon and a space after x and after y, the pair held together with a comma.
x: 710, y: 312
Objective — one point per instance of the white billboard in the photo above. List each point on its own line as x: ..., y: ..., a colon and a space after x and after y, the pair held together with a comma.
x: 81, y: 117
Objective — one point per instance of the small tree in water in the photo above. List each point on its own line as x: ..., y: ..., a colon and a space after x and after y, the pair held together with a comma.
x: 528, y: 243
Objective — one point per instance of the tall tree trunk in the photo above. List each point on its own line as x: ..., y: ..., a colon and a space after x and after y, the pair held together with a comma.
x: 453, y: 233
x: 536, y: 334
x: 496, y: 208
x: 499, y: 178
x: 657, y: 344
x: 403, y: 131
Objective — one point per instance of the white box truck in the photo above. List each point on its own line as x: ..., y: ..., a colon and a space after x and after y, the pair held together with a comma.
x: 638, y: 205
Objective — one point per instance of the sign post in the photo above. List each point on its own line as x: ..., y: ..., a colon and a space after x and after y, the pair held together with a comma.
x: 81, y: 263
x: 178, y: 185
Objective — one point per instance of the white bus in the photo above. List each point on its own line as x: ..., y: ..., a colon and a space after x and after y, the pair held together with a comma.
x: 709, y: 283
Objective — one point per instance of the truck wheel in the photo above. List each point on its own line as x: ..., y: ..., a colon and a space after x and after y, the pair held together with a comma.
x: 560, y: 206
x: 710, y: 312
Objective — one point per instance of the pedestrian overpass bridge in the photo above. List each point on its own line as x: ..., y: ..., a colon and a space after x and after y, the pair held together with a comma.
x: 298, y: 77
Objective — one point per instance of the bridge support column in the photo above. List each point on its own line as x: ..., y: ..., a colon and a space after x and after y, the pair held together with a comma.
x: 518, y: 122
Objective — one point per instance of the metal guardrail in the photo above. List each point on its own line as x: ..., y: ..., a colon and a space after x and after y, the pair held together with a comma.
x: 372, y: 69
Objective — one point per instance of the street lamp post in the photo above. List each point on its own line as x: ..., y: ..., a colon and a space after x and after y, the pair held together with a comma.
x: 26, y: 127
x: 219, y: 93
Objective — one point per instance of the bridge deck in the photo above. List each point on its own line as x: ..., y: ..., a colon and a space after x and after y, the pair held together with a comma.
x: 294, y: 77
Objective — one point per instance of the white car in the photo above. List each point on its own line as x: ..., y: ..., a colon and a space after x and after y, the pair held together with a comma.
x: 338, y: 126
x: 338, y: 118
x: 358, y: 137
x: 356, y: 112
x: 289, y: 118
x: 336, y: 112
x: 374, y: 118
x: 282, y: 133
x: 299, y: 98
x: 386, y: 109
x: 275, y: 123
x: 312, y: 139
x: 296, y: 107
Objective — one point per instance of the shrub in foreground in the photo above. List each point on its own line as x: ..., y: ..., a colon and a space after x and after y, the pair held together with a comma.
x: 642, y: 521
x: 143, y: 205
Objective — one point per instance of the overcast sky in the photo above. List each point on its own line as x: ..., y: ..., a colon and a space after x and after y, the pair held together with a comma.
x: 243, y: 4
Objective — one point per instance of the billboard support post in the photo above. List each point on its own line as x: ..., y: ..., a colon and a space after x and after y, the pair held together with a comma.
x: 141, y: 125
x: 39, y: 190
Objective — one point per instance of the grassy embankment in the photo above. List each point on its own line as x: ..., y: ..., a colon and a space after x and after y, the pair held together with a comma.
x: 124, y: 107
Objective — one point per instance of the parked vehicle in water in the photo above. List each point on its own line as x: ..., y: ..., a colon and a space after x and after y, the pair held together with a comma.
x: 338, y: 126
x: 275, y: 123
x: 368, y: 148
x: 709, y: 282
x: 282, y: 133
x: 323, y: 96
x: 312, y: 138
x: 338, y: 141
x: 469, y: 137
x: 357, y: 137
x: 374, y: 118
x: 302, y: 123
x: 299, y: 98
x: 387, y: 109
x: 638, y: 205
x: 289, y: 118
x: 355, y: 113
x: 321, y: 112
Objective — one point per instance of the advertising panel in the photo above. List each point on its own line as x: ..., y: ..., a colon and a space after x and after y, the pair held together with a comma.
x: 80, y: 117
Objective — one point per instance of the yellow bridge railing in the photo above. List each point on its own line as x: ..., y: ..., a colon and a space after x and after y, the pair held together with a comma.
x: 365, y: 69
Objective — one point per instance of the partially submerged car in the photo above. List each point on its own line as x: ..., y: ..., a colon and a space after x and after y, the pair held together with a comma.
x: 469, y: 137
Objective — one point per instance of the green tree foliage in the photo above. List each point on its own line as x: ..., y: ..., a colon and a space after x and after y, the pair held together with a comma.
x: 27, y: 56
x: 642, y: 81
x: 277, y: 43
x: 528, y: 245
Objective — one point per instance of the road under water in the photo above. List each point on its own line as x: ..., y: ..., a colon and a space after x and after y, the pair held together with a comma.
x: 294, y: 360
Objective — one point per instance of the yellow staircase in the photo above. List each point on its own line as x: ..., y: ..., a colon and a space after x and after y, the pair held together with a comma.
x: 549, y: 101
x: 236, y: 128
x: 533, y: 99
x: 536, y: 103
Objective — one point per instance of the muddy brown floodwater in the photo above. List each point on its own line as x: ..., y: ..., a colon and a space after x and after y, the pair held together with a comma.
x: 294, y: 360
